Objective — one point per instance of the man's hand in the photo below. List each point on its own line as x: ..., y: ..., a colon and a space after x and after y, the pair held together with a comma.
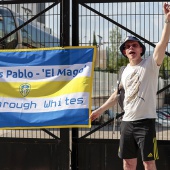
x: 95, y: 114
x: 166, y: 9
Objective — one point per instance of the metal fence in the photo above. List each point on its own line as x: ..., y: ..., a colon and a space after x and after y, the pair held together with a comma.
x: 29, y: 19
x: 104, y: 24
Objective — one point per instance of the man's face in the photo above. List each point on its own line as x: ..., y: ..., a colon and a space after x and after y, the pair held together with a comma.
x: 132, y: 50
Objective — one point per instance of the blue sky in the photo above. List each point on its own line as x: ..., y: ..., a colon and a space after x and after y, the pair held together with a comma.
x: 143, y: 18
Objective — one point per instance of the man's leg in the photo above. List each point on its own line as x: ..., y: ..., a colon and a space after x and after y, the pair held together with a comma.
x: 149, y: 165
x: 147, y: 143
x: 130, y: 164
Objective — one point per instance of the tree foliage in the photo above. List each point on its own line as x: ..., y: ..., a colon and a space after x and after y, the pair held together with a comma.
x: 114, y: 58
x: 165, y: 68
x: 94, y: 39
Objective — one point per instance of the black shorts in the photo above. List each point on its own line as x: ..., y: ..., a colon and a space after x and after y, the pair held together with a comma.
x: 138, y: 135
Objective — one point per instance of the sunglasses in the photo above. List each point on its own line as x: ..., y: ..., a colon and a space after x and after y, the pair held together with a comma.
x: 131, y: 45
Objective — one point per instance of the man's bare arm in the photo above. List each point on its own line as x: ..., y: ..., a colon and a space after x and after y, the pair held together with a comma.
x: 109, y: 103
x: 160, y: 48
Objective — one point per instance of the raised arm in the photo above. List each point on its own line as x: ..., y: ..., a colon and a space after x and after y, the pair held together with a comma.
x: 160, y: 48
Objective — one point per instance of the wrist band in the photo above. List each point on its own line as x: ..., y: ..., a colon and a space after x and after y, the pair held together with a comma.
x: 167, y: 21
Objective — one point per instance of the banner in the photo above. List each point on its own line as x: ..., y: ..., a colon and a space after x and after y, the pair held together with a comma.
x: 49, y: 88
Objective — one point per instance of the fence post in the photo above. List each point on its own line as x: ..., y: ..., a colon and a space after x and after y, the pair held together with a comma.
x: 75, y: 42
x: 64, y: 41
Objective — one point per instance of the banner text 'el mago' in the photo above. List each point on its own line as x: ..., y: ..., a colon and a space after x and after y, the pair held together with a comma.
x: 46, y: 87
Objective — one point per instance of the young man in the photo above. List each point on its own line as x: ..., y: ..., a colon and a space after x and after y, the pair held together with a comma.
x: 139, y: 80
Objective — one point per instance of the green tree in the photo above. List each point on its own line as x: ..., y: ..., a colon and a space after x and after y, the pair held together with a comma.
x: 165, y: 68
x: 114, y: 59
x: 94, y: 39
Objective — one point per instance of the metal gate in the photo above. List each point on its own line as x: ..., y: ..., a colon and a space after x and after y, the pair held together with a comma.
x: 104, y: 23
x: 39, y: 148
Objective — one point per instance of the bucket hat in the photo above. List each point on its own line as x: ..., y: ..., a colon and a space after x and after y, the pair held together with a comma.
x: 132, y: 38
